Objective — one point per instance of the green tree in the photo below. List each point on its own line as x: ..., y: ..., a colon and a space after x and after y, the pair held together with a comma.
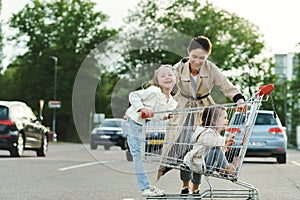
x: 65, y: 29
x: 1, y: 42
x: 294, y: 108
x: 237, y: 43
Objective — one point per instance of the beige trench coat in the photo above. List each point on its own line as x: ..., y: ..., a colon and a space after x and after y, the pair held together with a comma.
x: 209, y: 76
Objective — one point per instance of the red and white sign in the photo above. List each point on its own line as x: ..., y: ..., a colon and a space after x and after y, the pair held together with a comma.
x: 54, y: 104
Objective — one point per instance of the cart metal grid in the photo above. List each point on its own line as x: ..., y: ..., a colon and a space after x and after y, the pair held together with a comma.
x: 164, y: 149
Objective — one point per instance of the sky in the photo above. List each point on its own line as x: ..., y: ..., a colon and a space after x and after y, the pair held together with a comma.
x: 278, y: 20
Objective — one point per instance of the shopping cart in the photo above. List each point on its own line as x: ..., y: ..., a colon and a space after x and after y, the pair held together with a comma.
x: 170, y: 136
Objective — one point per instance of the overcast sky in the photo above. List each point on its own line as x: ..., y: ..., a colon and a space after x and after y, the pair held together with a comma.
x: 278, y: 20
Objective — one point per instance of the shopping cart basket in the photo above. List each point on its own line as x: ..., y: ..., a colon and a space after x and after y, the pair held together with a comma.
x: 174, y: 140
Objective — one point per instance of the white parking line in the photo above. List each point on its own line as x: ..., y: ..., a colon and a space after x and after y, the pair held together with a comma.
x: 295, y: 163
x: 78, y: 166
x: 83, y: 165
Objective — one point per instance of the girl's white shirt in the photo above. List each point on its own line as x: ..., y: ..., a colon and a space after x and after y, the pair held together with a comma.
x: 151, y: 98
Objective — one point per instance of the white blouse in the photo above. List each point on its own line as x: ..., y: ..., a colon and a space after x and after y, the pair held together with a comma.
x: 151, y: 98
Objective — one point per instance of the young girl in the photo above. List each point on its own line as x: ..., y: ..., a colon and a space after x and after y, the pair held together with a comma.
x: 155, y: 98
x: 210, y: 147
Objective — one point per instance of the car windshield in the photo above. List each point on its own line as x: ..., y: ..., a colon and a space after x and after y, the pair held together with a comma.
x: 262, y: 119
x: 3, y: 112
x: 111, y: 123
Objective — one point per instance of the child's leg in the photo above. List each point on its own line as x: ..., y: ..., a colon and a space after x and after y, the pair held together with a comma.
x: 134, y: 132
x: 196, y: 182
x: 215, y: 159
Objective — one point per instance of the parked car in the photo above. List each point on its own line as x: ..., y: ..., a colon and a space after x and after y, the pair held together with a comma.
x: 108, y: 134
x: 268, y: 137
x: 155, y: 134
x: 21, y: 130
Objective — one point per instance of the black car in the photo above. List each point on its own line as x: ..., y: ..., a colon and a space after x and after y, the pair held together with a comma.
x: 21, y: 130
x: 108, y: 134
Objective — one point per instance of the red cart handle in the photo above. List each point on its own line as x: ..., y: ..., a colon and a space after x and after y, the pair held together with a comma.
x: 145, y: 116
x: 265, y: 90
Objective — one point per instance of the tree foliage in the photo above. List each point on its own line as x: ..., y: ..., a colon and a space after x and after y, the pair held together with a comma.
x: 237, y: 43
x: 65, y: 29
x: 294, y: 108
x: 70, y: 30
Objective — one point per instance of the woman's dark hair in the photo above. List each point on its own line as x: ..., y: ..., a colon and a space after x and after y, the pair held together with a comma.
x: 211, y: 115
x: 201, y: 42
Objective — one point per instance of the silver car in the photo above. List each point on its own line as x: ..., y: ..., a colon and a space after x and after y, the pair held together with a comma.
x: 108, y: 134
x: 268, y: 137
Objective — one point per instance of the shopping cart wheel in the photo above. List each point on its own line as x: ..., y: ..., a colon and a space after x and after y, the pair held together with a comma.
x: 129, y: 156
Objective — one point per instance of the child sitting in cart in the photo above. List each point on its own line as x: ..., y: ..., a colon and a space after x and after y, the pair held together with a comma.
x: 209, y: 146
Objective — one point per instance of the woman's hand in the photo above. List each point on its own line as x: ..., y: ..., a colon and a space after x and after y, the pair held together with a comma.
x: 168, y: 116
x: 241, y: 107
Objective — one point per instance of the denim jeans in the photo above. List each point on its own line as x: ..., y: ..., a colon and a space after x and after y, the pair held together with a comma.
x: 134, y: 134
x: 215, y: 159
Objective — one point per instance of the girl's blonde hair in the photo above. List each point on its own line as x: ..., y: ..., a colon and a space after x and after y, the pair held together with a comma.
x: 154, y: 80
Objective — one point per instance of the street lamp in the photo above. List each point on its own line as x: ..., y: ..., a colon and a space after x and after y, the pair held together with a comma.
x: 54, y: 98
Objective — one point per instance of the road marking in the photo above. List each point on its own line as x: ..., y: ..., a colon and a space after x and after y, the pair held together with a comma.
x: 78, y: 166
x: 83, y: 165
x: 295, y: 163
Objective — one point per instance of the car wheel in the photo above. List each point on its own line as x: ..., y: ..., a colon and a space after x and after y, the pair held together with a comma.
x: 129, y: 156
x: 18, y: 149
x: 106, y: 147
x: 93, y: 146
x: 42, y: 151
x: 281, y: 158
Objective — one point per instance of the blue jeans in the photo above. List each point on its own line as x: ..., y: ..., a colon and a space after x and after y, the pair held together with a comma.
x: 215, y: 159
x: 134, y: 134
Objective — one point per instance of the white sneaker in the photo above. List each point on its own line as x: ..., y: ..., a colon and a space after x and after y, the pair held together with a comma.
x: 153, y: 192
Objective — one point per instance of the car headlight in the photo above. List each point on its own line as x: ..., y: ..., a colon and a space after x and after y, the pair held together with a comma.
x: 119, y: 132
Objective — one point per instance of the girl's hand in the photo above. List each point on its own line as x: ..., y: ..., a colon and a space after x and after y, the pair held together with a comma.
x: 230, y: 140
x: 146, y: 113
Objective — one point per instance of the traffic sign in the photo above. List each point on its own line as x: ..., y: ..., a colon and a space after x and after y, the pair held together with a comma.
x: 54, y: 104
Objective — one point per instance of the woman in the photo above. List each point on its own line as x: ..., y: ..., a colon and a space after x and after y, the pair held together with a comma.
x: 196, y: 77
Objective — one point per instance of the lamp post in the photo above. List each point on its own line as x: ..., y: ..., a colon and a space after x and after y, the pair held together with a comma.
x: 54, y: 98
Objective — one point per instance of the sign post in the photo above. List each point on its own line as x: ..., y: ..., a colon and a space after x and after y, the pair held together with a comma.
x: 41, y: 108
x: 54, y: 105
